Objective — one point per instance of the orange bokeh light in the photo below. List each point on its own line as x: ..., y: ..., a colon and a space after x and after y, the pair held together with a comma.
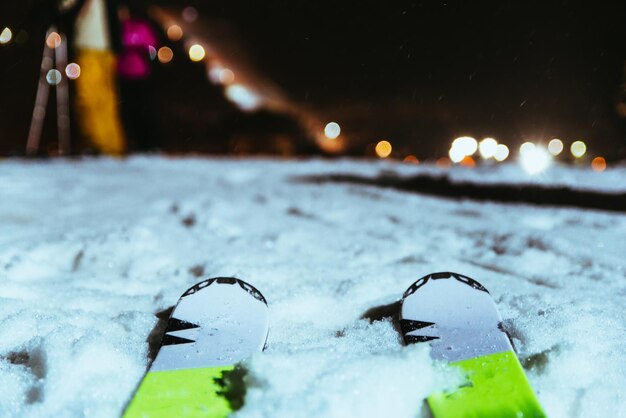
x: 383, y: 149
x: 468, y: 161
x: 411, y: 159
x: 443, y: 162
x: 165, y: 54
x: 174, y: 33
x: 598, y: 164
x: 53, y: 40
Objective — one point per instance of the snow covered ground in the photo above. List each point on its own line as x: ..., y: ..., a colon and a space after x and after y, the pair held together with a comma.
x: 90, y: 250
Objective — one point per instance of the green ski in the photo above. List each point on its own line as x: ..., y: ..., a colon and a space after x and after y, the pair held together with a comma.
x: 215, y: 324
x: 459, y: 319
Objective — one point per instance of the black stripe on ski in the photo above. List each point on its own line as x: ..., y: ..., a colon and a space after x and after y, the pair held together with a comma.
x: 175, y: 324
x: 408, y: 325
x: 173, y: 340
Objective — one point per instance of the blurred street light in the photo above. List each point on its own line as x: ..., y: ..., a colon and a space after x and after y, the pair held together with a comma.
x: 443, y: 162
x: 487, y: 148
x: 242, y: 97
x: 534, y: 159
x: 5, y: 36
x: 174, y: 33
x: 190, y: 14
x: 165, y: 54
x: 72, y: 70
x: 598, y: 164
x: 466, y: 145
x: 502, y: 153
x: 555, y: 146
x: 526, y: 147
x: 383, y: 149
x: 226, y: 76
x: 468, y: 161
x: 332, y: 130
x: 53, y: 77
x: 196, y: 53
x: 578, y: 149
x: 456, y: 154
x: 53, y: 40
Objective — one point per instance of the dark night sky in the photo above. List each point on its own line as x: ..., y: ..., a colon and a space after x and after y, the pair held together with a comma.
x: 411, y: 69
x: 421, y: 72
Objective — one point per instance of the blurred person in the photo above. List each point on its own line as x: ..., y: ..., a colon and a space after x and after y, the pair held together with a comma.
x: 96, y: 91
x: 134, y: 70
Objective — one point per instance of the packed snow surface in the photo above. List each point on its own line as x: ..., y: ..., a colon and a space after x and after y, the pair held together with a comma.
x: 90, y: 250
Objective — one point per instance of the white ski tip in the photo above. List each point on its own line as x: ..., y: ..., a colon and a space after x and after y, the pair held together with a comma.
x: 217, y: 322
x: 455, y: 314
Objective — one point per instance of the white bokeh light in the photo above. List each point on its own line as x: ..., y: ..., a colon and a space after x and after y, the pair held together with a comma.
x: 487, y: 147
x: 535, y: 159
x: 502, y: 153
x: 6, y: 36
x: 54, y: 77
x: 72, y: 70
x: 526, y: 147
x: 555, y: 146
x: 242, y: 96
x: 466, y: 145
x: 332, y: 130
x: 196, y: 52
x: 456, y: 154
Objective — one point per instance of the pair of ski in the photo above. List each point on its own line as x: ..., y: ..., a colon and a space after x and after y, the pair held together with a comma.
x: 221, y: 321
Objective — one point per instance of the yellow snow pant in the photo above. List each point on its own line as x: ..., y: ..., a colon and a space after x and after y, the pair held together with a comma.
x: 97, y: 101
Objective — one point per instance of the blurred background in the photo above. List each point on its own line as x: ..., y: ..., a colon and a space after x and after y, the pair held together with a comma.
x: 451, y: 82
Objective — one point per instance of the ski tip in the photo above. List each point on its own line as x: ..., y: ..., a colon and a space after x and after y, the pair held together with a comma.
x: 233, y: 281
x: 443, y: 275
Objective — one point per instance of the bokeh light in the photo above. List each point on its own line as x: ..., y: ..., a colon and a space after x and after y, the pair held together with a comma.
x: 214, y: 73
x: 152, y: 52
x: 555, y: 146
x: 53, y: 40
x: 332, y: 130
x: 412, y: 159
x: 456, y: 154
x: 502, y: 153
x: 466, y: 145
x: 190, y: 14
x: 468, y: 161
x: 72, y: 70
x: 243, y: 97
x: 53, y: 77
x: 5, y: 36
x: 174, y: 33
x: 383, y: 149
x: 526, y: 147
x: 535, y: 159
x: 598, y: 164
x: 443, y: 162
x: 578, y: 149
x: 226, y: 76
x: 487, y: 147
x: 165, y: 54
x: 196, y: 53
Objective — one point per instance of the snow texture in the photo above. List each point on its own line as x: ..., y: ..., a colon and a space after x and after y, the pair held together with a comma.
x: 91, y: 249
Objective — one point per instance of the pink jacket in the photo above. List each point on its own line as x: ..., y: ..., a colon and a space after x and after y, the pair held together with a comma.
x: 134, y: 60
